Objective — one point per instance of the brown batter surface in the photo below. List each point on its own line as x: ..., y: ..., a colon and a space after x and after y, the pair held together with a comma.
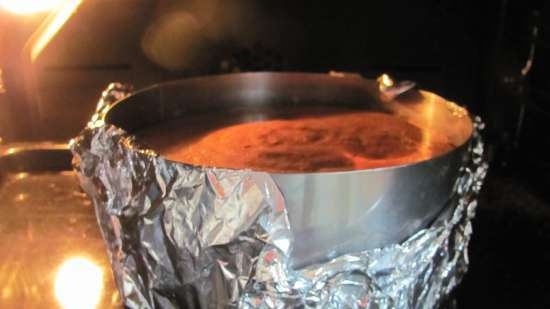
x: 344, y: 141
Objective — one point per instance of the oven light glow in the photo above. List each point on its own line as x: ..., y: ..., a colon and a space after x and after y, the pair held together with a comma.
x: 79, y: 284
x: 65, y: 11
x: 26, y: 7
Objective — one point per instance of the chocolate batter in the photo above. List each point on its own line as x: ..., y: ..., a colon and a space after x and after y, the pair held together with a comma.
x: 334, y: 142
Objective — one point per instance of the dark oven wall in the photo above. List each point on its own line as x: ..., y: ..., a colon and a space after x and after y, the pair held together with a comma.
x: 441, y: 44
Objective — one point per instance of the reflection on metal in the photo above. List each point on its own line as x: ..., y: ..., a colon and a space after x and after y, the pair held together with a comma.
x: 2, y: 87
x: 45, y: 221
x: 27, y: 7
x: 20, y: 176
x: 391, y: 89
x: 384, y: 81
x: 114, y: 92
x: 529, y: 63
x: 456, y: 110
x: 524, y: 72
x: 79, y: 284
x: 51, y: 27
x: 20, y: 197
x: 427, y: 134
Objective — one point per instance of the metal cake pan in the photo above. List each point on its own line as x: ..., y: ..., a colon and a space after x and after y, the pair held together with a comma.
x: 330, y: 213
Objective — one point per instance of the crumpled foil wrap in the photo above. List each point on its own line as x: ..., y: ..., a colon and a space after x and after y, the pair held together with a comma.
x: 186, y: 237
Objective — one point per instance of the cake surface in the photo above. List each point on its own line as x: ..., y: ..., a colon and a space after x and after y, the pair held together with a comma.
x: 344, y: 141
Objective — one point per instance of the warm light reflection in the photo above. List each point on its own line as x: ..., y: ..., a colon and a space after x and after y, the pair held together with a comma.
x: 21, y: 197
x: 425, y: 146
x: 22, y: 175
x: 24, y: 7
x: 385, y: 81
x: 53, y: 26
x: 2, y: 88
x: 79, y: 284
x: 6, y: 292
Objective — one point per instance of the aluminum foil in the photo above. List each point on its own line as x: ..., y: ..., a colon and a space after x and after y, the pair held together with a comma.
x: 186, y: 237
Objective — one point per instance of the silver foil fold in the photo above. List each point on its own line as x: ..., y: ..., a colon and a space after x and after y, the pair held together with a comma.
x: 186, y: 237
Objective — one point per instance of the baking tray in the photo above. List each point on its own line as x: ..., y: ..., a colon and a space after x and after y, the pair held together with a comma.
x: 45, y: 222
